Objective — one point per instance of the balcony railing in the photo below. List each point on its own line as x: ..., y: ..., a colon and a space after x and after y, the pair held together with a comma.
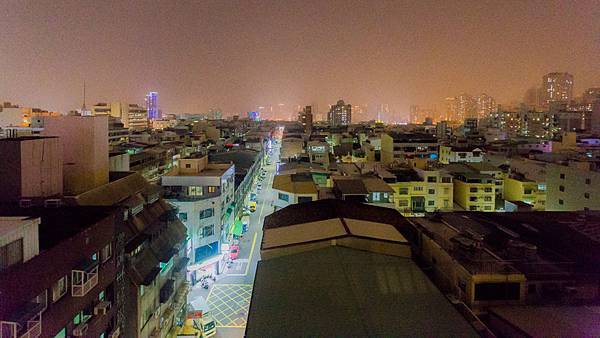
x: 83, y: 281
x: 32, y: 328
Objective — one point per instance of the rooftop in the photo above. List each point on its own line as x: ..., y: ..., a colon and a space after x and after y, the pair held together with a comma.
x: 348, y: 293
x: 295, y: 183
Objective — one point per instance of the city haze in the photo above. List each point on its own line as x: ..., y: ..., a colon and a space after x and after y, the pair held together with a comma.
x: 238, y: 55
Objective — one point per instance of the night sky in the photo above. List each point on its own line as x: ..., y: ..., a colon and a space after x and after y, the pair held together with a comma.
x: 240, y: 54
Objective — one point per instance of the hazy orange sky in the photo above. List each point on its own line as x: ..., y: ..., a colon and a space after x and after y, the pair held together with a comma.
x: 241, y: 54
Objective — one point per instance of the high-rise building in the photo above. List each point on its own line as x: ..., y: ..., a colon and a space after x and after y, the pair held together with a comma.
x: 152, y: 106
x: 590, y: 96
x: 340, y: 114
x: 558, y: 87
x: 305, y: 117
x: 485, y: 105
x: 466, y: 107
x: 450, y: 109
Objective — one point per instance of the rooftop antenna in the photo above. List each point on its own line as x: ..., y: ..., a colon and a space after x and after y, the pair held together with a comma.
x: 84, y: 110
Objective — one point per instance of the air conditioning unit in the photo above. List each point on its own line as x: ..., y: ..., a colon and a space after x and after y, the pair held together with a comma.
x: 52, y: 203
x: 25, y: 203
x: 80, y: 330
x: 101, y: 308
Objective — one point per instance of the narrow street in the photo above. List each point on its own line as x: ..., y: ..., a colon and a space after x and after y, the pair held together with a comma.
x: 228, y: 298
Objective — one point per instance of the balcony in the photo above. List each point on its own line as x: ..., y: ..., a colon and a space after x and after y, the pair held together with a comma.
x: 83, y: 281
x: 30, y: 328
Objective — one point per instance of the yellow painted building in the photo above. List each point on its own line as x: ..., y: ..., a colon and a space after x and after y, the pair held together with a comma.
x: 527, y: 191
x: 419, y: 191
x: 475, y: 192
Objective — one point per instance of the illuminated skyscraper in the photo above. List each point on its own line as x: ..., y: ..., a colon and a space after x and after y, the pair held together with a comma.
x: 152, y: 106
x: 465, y: 107
x: 305, y: 117
x: 340, y: 114
x: 558, y: 87
x: 485, y: 106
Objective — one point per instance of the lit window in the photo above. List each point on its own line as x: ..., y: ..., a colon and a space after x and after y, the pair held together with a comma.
x: 106, y: 252
x: 212, y: 189
x: 59, y: 289
x: 431, y: 191
x: 376, y: 197
x: 194, y: 191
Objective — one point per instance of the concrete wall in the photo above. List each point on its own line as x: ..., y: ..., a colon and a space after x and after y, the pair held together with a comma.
x: 85, y: 150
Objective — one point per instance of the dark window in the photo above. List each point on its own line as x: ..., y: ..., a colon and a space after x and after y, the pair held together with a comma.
x: 487, y: 189
x: 11, y: 254
x: 561, y: 202
x: 587, y: 195
x: 187, y: 165
x: 431, y: 203
x: 527, y: 191
x: 473, y: 189
x: 284, y: 197
x: 183, y: 216
x: 561, y: 188
x: 431, y: 179
x: 432, y: 191
x: 473, y: 208
x: 446, y: 180
x: 304, y: 199
x: 473, y: 198
x: 562, y: 176
x: 206, y: 213
x: 497, y: 291
x: 588, y: 181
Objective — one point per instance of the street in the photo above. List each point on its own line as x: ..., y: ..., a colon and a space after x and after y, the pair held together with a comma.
x: 228, y: 298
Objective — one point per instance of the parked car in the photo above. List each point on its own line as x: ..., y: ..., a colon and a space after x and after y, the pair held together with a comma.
x: 234, y: 251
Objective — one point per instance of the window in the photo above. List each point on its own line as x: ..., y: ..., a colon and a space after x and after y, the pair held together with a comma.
x: 376, y: 197
x: 462, y: 155
x: 194, y: 191
x: 183, y: 216
x: 431, y: 191
x: 62, y: 333
x: 77, y: 319
x: 94, y: 256
x: 284, y: 197
x: 561, y: 202
x: 417, y: 188
x: 446, y: 203
x: 403, y: 191
x: 59, y: 289
x: 586, y: 195
x: 561, y: 188
x: 101, y: 296
x: 588, y: 181
x: 446, y: 180
x: 487, y: 198
x: 430, y: 203
x: 473, y: 189
x: 208, y: 230
x: 11, y: 253
x: 403, y: 203
x: 487, y: 189
x: 431, y: 179
x: 106, y: 252
x: 487, y: 207
x: 206, y: 213
x: 527, y: 191
x: 212, y: 189
x: 473, y: 208
x: 187, y: 165
x: 473, y: 198
x: 562, y: 176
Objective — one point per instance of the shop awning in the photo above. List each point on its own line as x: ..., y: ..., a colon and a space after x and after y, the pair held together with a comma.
x: 238, y: 226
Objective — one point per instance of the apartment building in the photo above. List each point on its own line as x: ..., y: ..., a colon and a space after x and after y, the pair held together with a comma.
x: 397, y: 147
x: 202, y: 193
x: 450, y: 154
x: 573, y: 186
x: 475, y: 192
x: 519, y: 188
x: 58, y: 272
x: 417, y: 191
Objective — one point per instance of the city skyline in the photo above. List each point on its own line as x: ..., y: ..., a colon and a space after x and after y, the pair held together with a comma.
x: 255, y: 55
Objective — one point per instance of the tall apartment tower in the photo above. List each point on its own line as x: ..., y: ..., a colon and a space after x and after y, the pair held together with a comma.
x: 558, y: 87
x: 305, y: 117
x: 340, y: 114
x: 152, y: 106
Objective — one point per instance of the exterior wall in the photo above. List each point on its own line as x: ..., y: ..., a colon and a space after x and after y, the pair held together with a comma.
x: 387, y: 149
x: 524, y: 191
x: 447, y: 156
x: 27, y: 230
x: 85, y: 150
x: 32, y: 168
x: 440, y: 199
x: 463, y: 195
x: 12, y: 117
x: 575, y: 185
x: 119, y: 162
x: 293, y: 198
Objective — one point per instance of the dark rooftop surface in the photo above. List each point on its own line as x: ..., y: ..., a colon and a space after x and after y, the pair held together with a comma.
x: 59, y: 224
x: 350, y: 186
x: 333, y: 208
x: 342, y: 292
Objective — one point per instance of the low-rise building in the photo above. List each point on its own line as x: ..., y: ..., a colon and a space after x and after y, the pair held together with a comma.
x: 518, y: 188
x: 293, y: 189
x: 397, y: 147
x: 573, y: 186
x: 450, y: 154
x: 475, y: 192
x: 202, y: 193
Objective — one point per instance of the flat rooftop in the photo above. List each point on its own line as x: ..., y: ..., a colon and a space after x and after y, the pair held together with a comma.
x: 342, y: 292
